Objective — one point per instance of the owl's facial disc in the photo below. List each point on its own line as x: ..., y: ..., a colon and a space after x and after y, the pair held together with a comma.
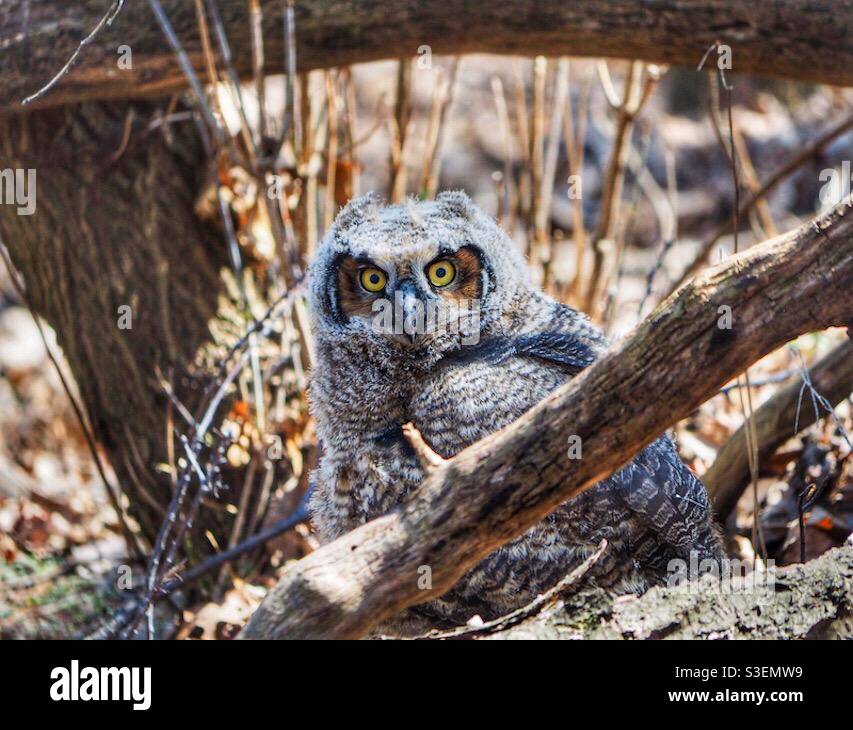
x: 420, y: 303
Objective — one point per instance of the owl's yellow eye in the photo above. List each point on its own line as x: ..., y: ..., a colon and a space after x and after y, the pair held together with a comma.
x: 373, y: 280
x: 441, y: 273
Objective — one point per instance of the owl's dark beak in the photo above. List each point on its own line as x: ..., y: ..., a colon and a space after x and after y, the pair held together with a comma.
x: 409, y: 303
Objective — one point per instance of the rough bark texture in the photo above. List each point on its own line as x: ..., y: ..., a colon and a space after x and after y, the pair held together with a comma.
x: 811, y: 601
x: 796, y: 39
x: 107, y: 233
x: 496, y: 489
x: 776, y: 421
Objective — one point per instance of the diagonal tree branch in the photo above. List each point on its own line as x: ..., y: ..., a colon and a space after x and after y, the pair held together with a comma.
x: 499, y: 487
x: 782, y: 38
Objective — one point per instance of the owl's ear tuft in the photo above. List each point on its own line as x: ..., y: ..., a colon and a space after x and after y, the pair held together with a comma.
x: 456, y: 204
x: 358, y: 210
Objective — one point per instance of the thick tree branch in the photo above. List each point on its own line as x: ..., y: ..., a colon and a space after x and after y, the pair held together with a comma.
x: 498, y: 488
x: 795, y: 39
x: 775, y: 423
x: 811, y: 601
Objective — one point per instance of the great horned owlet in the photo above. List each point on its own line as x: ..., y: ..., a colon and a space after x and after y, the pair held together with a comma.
x: 424, y: 312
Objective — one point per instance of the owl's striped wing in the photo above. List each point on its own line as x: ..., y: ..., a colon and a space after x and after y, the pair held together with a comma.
x: 559, y: 347
x: 562, y: 348
x: 658, y: 488
x: 662, y: 492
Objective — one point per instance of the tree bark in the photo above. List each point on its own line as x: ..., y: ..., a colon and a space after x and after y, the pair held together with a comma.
x: 114, y: 225
x: 776, y: 421
x: 498, y: 488
x: 811, y: 601
x: 795, y: 39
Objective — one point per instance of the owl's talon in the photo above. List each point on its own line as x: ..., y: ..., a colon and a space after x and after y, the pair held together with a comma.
x: 426, y: 456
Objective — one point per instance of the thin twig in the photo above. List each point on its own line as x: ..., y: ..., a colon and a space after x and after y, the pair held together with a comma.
x: 555, y: 131
x: 642, y: 180
x: 235, y: 85
x: 105, y: 21
x: 746, y: 403
x: 750, y: 177
x: 537, y: 141
x: 817, y: 400
x: 350, y: 125
x: 614, y: 175
x: 509, y: 202
x: 669, y: 233
x: 442, y: 100
x: 257, y: 35
x: 187, y: 68
x: 399, y: 131
x: 331, y: 149
x: 771, y: 379
x: 292, y: 122
x: 533, y: 608
x: 153, y: 571
x: 125, y: 619
x: 523, y: 133
x: 783, y: 171
x: 299, y: 515
x: 576, y: 148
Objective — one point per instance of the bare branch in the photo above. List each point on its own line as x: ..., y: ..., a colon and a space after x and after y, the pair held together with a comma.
x: 782, y: 38
x: 105, y: 21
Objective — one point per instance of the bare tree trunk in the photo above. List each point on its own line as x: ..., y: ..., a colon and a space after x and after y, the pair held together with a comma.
x: 498, y: 488
x: 796, y: 39
x: 114, y: 226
